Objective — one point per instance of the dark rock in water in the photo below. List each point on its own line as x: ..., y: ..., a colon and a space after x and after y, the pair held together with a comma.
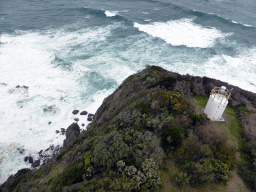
x: 47, y: 149
x: 49, y: 123
x: 84, y: 113
x: 3, y: 84
x: 21, y: 151
x: 63, y: 131
x: 40, y: 152
x: 75, y: 112
x: 18, y: 86
x: 82, y: 124
x: 51, y: 108
x: 30, y: 159
x: 36, y: 163
x: 90, y: 117
x: 51, y: 146
x: 76, y: 119
x: 57, y: 131
x: 71, y: 134
x: 25, y: 87
x: 26, y: 159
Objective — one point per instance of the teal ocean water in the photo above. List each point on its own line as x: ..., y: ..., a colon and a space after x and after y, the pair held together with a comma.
x: 59, y: 55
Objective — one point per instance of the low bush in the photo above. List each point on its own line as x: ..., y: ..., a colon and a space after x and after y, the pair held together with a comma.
x: 171, y: 137
x: 109, y: 149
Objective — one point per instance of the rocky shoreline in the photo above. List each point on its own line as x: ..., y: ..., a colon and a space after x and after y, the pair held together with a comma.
x: 47, y: 155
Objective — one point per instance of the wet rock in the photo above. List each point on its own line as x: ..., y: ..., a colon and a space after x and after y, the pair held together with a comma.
x: 30, y: 159
x: 51, y: 146
x: 63, y: 131
x: 36, y: 163
x: 26, y: 159
x: 90, y: 117
x: 18, y: 86
x: 21, y: 151
x: 47, y: 149
x: 76, y: 119
x: 84, y: 113
x: 83, y: 124
x: 40, y: 152
x: 75, y: 112
x: 49, y: 123
x: 57, y: 131
x: 71, y: 134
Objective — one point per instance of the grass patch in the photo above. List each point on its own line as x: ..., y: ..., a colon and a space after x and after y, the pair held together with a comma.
x: 57, y: 170
x: 234, y: 125
x: 201, y: 100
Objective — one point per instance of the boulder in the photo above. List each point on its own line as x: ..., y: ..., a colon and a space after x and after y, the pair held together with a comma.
x: 36, y: 163
x: 63, y: 131
x: 75, y: 112
x: 26, y: 159
x: 90, y: 117
x: 84, y: 113
x: 30, y: 159
x: 72, y: 133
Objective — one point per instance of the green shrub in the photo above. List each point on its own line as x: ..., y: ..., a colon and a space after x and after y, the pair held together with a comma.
x: 199, y: 119
x: 225, y: 154
x: 171, y: 137
x: 109, y: 149
x: 247, y: 167
x: 181, y: 178
x: 145, y: 179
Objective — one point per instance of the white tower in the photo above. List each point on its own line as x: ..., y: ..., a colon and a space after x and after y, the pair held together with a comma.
x: 217, y: 103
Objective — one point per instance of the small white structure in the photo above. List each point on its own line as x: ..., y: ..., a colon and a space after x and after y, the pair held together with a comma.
x: 217, y: 103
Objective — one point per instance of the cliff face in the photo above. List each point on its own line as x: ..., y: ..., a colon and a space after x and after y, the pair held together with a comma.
x: 150, y: 135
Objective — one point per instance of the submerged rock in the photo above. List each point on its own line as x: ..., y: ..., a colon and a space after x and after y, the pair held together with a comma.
x: 51, y: 108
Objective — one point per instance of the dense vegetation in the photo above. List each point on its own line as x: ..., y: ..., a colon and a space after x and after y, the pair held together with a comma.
x: 150, y: 126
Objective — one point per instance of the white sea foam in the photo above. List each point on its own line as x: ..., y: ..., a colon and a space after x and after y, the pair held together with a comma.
x: 111, y: 13
x: 32, y: 59
x: 182, y: 32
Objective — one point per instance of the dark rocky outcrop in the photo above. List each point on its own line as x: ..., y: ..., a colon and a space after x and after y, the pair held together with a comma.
x: 90, y: 117
x: 36, y: 163
x: 72, y: 133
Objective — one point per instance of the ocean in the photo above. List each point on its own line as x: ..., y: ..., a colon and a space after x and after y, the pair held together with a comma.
x: 57, y: 56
